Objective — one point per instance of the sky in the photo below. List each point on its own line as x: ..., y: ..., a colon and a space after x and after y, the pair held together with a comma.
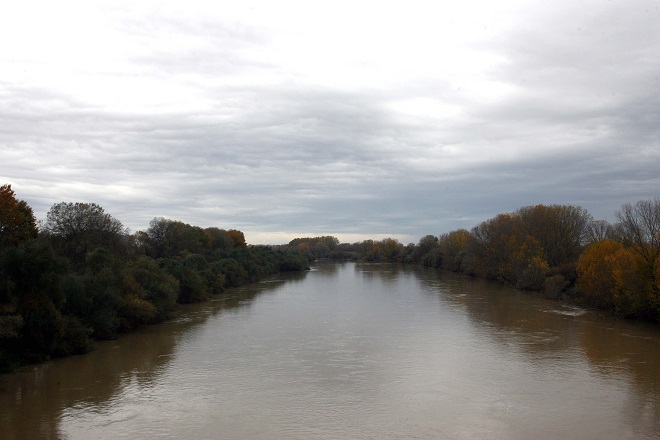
x: 358, y: 119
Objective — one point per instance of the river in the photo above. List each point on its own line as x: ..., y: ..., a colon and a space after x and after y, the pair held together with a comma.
x: 354, y: 351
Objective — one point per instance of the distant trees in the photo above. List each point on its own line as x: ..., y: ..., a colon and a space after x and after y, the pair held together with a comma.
x: 387, y: 250
x: 317, y: 247
x: 377, y: 251
x: 169, y: 238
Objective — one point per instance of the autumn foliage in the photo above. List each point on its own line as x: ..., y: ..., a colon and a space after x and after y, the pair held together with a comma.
x: 558, y: 250
x: 17, y: 221
x: 612, y: 276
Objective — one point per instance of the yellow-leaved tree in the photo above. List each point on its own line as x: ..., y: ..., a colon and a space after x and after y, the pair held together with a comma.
x: 611, y: 276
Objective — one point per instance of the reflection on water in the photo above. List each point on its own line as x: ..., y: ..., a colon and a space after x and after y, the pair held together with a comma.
x: 620, y: 351
x: 354, y: 351
x: 34, y: 400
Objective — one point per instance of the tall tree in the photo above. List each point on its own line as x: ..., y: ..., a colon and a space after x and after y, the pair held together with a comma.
x: 503, y: 250
x: 82, y: 227
x: 560, y: 229
x: 237, y: 237
x: 639, y: 228
x: 17, y: 222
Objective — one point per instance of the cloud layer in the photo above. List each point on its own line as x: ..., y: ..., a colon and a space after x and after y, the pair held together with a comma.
x: 288, y: 118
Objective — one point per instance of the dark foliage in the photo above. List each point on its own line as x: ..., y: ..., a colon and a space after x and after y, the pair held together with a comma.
x: 85, y: 277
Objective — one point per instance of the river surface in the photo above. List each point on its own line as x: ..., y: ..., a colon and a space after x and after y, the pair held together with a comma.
x: 354, y: 351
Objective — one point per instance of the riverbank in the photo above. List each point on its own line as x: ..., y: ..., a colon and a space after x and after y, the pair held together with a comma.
x: 559, y: 250
x: 55, y: 306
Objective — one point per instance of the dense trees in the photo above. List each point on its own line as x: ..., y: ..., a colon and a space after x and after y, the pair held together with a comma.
x: 168, y: 238
x: 542, y: 248
x: 385, y: 250
x: 317, y: 247
x: 83, y: 276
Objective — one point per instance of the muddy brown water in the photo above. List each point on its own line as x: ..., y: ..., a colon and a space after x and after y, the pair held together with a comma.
x: 354, y: 351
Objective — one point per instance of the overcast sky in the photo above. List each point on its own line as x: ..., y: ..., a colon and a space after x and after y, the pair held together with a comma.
x: 359, y: 119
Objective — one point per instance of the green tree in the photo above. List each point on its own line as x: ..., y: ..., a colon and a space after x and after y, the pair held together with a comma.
x: 219, y: 238
x: 79, y: 228
x: 154, y: 285
x: 31, y: 278
x: 171, y: 238
x: 235, y: 273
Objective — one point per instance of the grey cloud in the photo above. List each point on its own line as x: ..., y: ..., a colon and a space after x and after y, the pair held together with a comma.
x: 577, y: 125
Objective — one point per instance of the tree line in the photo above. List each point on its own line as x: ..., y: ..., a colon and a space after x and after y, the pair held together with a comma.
x: 80, y: 275
x: 559, y: 250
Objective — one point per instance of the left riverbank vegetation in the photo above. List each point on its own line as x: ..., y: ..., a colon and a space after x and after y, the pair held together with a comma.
x: 80, y: 275
x: 559, y: 250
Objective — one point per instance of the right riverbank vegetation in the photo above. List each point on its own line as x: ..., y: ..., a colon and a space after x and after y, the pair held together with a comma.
x: 80, y: 275
x: 559, y: 250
